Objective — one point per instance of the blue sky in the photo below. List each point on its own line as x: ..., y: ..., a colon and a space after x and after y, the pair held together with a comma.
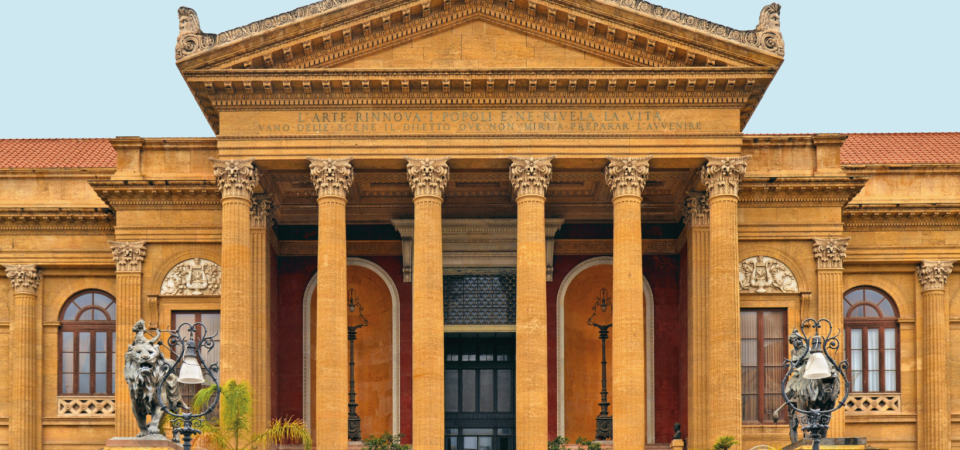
x: 106, y: 68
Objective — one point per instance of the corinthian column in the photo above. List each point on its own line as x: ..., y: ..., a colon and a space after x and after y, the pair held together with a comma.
x: 129, y: 258
x: 332, y: 178
x: 722, y: 178
x: 25, y: 354
x: 934, y: 418
x: 428, y: 179
x: 696, y: 215
x: 829, y: 253
x: 261, y: 220
x: 236, y: 180
x: 626, y: 178
x: 530, y: 178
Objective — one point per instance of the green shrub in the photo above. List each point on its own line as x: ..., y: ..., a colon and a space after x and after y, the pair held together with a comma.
x: 558, y: 443
x: 724, y: 443
x: 386, y: 441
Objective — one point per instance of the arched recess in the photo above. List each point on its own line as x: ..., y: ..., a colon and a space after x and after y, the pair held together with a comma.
x: 308, y: 296
x: 648, y: 331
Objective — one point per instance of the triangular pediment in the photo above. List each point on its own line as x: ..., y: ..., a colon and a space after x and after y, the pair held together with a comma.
x: 478, y: 44
x: 331, y: 33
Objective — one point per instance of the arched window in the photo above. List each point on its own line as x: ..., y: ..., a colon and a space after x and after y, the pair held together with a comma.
x: 88, y: 344
x: 873, y: 340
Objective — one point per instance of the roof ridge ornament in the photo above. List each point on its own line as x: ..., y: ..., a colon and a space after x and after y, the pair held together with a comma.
x: 191, y: 38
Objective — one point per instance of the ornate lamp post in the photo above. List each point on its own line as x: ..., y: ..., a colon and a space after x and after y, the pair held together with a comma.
x: 192, y: 367
x: 353, y: 304
x: 811, y: 364
x: 604, y: 419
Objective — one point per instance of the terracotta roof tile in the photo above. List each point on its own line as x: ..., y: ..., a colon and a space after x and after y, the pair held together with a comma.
x: 901, y: 148
x: 56, y: 153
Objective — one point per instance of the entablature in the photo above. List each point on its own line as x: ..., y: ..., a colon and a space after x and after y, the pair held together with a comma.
x: 901, y: 217
x: 59, y: 221
x: 151, y: 195
x: 799, y: 191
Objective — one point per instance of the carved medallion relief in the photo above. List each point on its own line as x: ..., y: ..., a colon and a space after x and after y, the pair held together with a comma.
x: 192, y: 277
x: 763, y: 274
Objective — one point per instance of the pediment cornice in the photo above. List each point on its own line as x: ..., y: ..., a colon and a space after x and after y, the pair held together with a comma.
x: 327, y: 33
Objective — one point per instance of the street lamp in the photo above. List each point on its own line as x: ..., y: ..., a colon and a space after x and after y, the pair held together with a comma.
x: 353, y: 421
x: 192, y: 368
x: 604, y: 419
x: 810, y: 363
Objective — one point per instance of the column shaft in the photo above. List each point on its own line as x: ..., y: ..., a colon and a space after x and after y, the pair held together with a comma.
x: 129, y: 289
x: 628, y: 336
x: 935, y: 397
x: 428, y: 413
x: 830, y: 304
x: 532, y: 432
x: 236, y: 312
x: 724, y: 320
x: 261, y: 328
x: 698, y: 363
x: 25, y: 353
x: 332, y: 383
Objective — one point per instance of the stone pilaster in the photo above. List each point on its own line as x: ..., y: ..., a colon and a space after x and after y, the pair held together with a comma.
x: 696, y: 215
x: 722, y: 178
x: 934, y: 412
x: 332, y: 179
x: 25, y: 352
x: 428, y: 179
x: 129, y: 258
x: 626, y: 178
x: 829, y: 253
x: 236, y: 180
x: 261, y: 221
x: 530, y: 178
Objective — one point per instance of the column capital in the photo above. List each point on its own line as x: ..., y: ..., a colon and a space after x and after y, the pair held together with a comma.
x: 696, y: 210
x: 25, y: 278
x: 331, y: 177
x: 236, y: 177
x: 932, y: 274
x: 129, y: 255
x: 627, y: 176
x: 722, y: 176
x: 830, y: 252
x: 428, y: 177
x: 261, y: 211
x: 531, y: 176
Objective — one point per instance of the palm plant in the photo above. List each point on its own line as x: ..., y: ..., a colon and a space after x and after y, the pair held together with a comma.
x: 232, y: 430
x: 724, y: 443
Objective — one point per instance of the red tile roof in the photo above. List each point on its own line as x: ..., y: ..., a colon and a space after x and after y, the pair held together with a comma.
x: 901, y: 148
x: 56, y: 153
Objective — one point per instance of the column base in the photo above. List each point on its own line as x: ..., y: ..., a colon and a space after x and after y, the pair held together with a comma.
x: 145, y: 442
x: 831, y: 444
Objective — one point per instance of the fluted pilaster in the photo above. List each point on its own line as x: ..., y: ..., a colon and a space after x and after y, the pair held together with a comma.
x: 626, y: 178
x: 722, y: 178
x: 829, y: 253
x: 934, y: 412
x: 332, y: 178
x: 428, y: 180
x: 129, y: 258
x: 236, y: 180
x: 25, y: 353
x: 261, y: 221
x: 530, y: 178
x: 697, y: 218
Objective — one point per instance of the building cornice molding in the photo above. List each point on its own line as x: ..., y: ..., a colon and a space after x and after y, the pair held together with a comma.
x: 133, y: 195
x: 876, y: 217
x: 799, y: 191
x: 94, y: 221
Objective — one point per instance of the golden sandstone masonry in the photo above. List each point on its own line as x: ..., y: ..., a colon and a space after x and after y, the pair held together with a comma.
x: 479, y: 174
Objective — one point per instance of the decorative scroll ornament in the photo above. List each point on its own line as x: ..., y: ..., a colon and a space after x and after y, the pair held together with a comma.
x: 722, y: 176
x: 191, y: 39
x: 627, y: 176
x: 829, y: 252
x: 25, y: 278
x: 331, y: 177
x: 696, y: 211
x: 766, y: 36
x: 530, y: 176
x: 428, y: 177
x: 763, y: 274
x: 192, y: 277
x: 261, y: 211
x: 236, y: 177
x: 932, y: 274
x: 128, y: 255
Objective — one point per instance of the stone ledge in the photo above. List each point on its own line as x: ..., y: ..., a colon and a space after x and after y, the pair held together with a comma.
x: 146, y: 442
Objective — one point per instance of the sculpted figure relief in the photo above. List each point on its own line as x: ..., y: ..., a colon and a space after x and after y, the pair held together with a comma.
x: 763, y: 274
x: 192, y: 277
x: 143, y: 369
x: 191, y: 39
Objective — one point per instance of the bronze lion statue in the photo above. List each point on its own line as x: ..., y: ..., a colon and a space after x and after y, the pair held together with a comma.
x: 143, y: 369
